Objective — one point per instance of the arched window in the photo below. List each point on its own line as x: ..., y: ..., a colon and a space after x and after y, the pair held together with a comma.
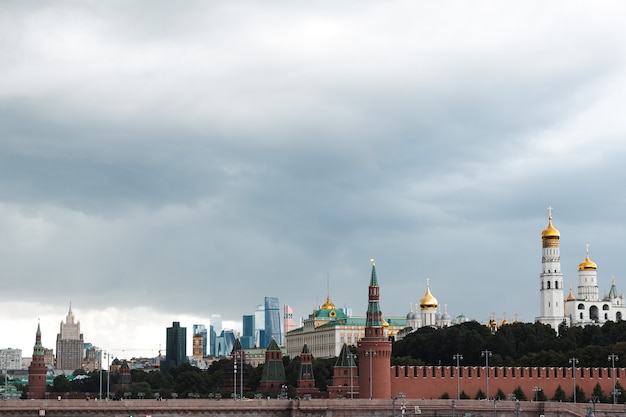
x: 594, y: 313
x: 605, y: 307
x: 581, y: 306
x: 556, y: 284
x: 548, y: 284
x: 618, y: 315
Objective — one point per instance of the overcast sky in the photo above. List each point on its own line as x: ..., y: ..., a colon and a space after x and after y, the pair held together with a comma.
x: 165, y: 161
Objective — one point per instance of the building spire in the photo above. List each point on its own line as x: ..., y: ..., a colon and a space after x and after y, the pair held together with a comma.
x: 374, y: 317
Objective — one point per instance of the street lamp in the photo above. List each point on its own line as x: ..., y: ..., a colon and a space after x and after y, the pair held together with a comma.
x: 536, y: 389
x: 486, y: 354
x: 352, y: 366
x: 574, y: 361
x: 613, y: 357
x: 453, y: 407
x: 370, y: 353
x: 458, y: 358
x: 100, y: 363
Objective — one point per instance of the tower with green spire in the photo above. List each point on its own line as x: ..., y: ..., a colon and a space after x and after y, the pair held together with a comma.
x: 374, y: 350
x: 37, y: 369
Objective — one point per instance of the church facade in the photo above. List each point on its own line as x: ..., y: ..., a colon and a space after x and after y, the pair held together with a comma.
x: 584, y: 308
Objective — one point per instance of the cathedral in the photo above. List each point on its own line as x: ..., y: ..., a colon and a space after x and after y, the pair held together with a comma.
x: 587, y: 307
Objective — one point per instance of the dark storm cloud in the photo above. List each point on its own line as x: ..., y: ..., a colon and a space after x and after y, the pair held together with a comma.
x: 236, y: 148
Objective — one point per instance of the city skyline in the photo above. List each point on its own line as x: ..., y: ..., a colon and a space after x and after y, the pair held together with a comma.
x: 161, y: 165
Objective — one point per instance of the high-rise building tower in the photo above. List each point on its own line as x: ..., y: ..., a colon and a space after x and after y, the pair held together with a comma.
x: 247, y: 336
x: 69, y: 345
x: 551, y: 277
x: 175, y: 347
x: 288, y: 322
x: 374, y: 350
x: 215, y: 330
x: 37, y: 369
x: 200, y: 329
x: 273, y: 330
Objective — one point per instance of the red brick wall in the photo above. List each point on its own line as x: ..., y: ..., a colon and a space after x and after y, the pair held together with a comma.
x: 430, y: 382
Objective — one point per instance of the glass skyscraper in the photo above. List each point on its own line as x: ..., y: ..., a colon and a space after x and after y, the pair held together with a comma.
x: 175, y: 347
x: 273, y: 330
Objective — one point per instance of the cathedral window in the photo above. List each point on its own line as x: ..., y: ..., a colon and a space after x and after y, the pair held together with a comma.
x: 581, y: 306
x: 556, y: 284
x: 605, y: 307
x: 548, y: 283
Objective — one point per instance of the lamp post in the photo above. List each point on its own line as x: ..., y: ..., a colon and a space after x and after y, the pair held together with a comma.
x: 234, y: 375
x: 536, y: 389
x: 241, y: 372
x: 370, y: 353
x: 574, y: 362
x: 108, y: 356
x: 613, y: 357
x: 458, y: 358
x: 486, y: 354
x: 453, y: 407
x: 352, y: 366
x: 100, y: 363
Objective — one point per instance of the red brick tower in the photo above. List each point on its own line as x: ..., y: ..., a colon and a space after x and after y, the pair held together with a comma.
x: 345, y: 377
x: 374, y: 349
x: 306, y: 379
x: 37, y: 370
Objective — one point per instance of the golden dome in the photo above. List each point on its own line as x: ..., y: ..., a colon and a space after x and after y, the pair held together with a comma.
x: 385, y: 324
x: 328, y: 305
x: 428, y: 302
x: 550, y: 232
x: 587, y: 264
x: 571, y: 297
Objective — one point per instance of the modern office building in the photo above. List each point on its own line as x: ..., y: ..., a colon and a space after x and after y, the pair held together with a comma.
x: 215, y: 329
x: 273, y: 330
x: 259, y: 325
x: 70, y: 345
x: 175, y: 347
x: 224, y: 343
x: 288, y: 322
x: 200, y: 329
x: 247, y: 336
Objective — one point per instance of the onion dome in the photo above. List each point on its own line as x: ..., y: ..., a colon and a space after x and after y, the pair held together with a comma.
x: 550, y: 232
x: 328, y: 305
x: 587, y: 264
x: 428, y: 302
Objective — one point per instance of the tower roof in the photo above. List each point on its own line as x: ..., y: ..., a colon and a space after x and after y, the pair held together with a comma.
x: 550, y: 232
x: 587, y: 264
x: 428, y: 301
x: 345, y: 358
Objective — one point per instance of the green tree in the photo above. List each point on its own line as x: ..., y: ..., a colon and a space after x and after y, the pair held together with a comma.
x: 445, y: 396
x: 480, y: 395
x: 559, y: 394
x: 581, y: 396
x: 519, y: 394
x: 61, y: 384
x: 500, y: 394
x: 463, y: 396
x: 599, y: 395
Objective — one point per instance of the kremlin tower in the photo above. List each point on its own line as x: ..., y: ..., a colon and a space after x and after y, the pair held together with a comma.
x: 37, y: 370
x: 374, y: 350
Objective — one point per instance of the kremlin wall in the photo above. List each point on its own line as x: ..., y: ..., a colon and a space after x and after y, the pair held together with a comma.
x: 430, y: 382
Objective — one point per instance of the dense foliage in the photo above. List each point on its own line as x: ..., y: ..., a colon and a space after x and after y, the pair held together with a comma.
x: 515, y: 344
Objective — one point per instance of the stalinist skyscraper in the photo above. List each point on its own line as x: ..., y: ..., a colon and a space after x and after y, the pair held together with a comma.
x: 69, y: 345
